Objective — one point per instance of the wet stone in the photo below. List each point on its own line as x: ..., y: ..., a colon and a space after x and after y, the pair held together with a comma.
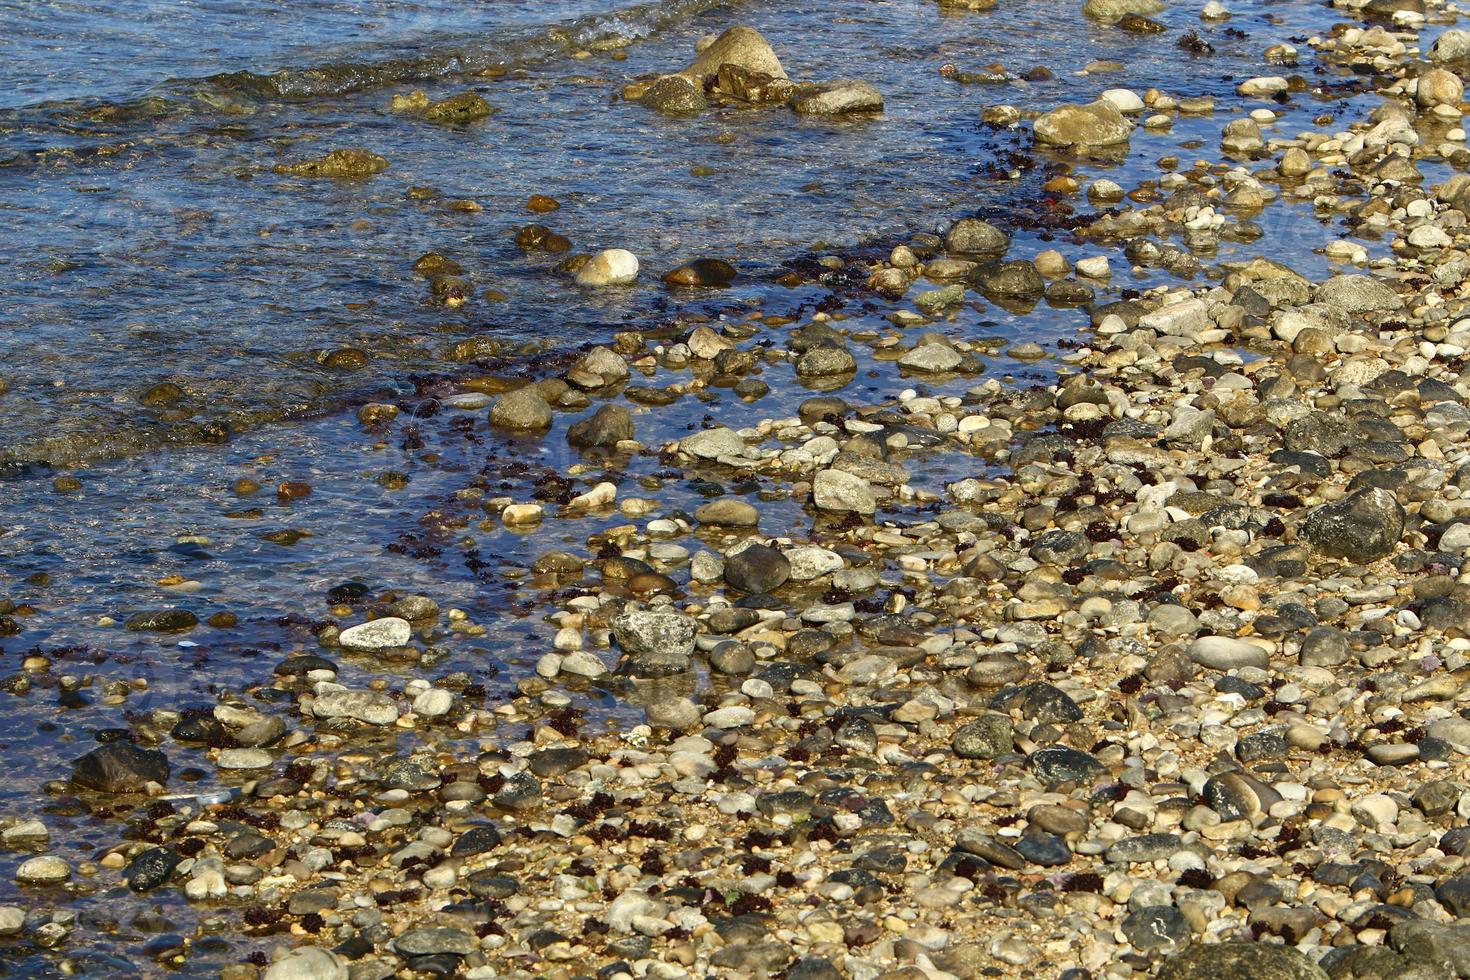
x: 378, y: 634
x: 162, y: 621
x: 120, y: 767
x: 549, y: 763
x: 604, y: 429
x: 657, y: 644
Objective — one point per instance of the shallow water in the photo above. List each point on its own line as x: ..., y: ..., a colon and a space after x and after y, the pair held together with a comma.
x: 163, y: 247
x: 151, y: 241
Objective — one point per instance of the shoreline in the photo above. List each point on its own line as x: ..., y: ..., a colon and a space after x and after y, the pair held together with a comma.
x: 883, y: 668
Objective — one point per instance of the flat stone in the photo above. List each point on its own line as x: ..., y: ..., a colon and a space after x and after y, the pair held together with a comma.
x: 120, y: 767
x: 1226, y: 653
x: 44, y: 870
x: 308, y: 963
x: 371, y: 707
x: 428, y: 941
x: 377, y: 634
x: 244, y: 759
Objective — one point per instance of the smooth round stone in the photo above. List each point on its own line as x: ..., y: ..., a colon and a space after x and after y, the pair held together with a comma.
x: 1393, y: 753
x: 1061, y: 764
x: 729, y: 512
x: 1236, y: 796
x: 12, y: 920
x: 468, y: 400
x: 43, y: 870
x: 308, y: 963
x: 757, y: 569
x: 430, y: 940
x: 379, y: 634
x: 433, y: 703
x: 679, y: 714
x: 736, y: 716
x: 1225, y: 653
x: 244, y: 759
x: 612, y: 267
x: 582, y: 663
x: 1143, y: 848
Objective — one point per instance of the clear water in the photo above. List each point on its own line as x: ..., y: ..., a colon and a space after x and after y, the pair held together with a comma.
x: 148, y: 239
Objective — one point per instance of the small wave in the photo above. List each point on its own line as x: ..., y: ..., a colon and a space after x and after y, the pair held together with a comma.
x: 37, y: 131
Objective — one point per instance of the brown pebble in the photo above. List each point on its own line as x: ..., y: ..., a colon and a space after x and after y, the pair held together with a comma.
x: 540, y: 204
x: 245, y: 486
x: 223, y: 620
x: 293, y: 490
x: 652, y: 583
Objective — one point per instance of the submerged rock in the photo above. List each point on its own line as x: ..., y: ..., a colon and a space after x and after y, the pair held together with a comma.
x: 462, y: 108
x: 839, y: 99
x: 339, y: 164
x: 702, y: 272
x: 120, y: 767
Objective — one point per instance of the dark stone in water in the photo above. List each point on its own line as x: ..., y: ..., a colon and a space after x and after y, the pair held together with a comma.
x: 702, y: 272
x: 162, y: 621
x: 198, y: 729
x: 151, y: 868
x: 604, y: 429
x: 757, y: 570
x: 347, y: 593
x: 302, y: 665
x: 120, y: 767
